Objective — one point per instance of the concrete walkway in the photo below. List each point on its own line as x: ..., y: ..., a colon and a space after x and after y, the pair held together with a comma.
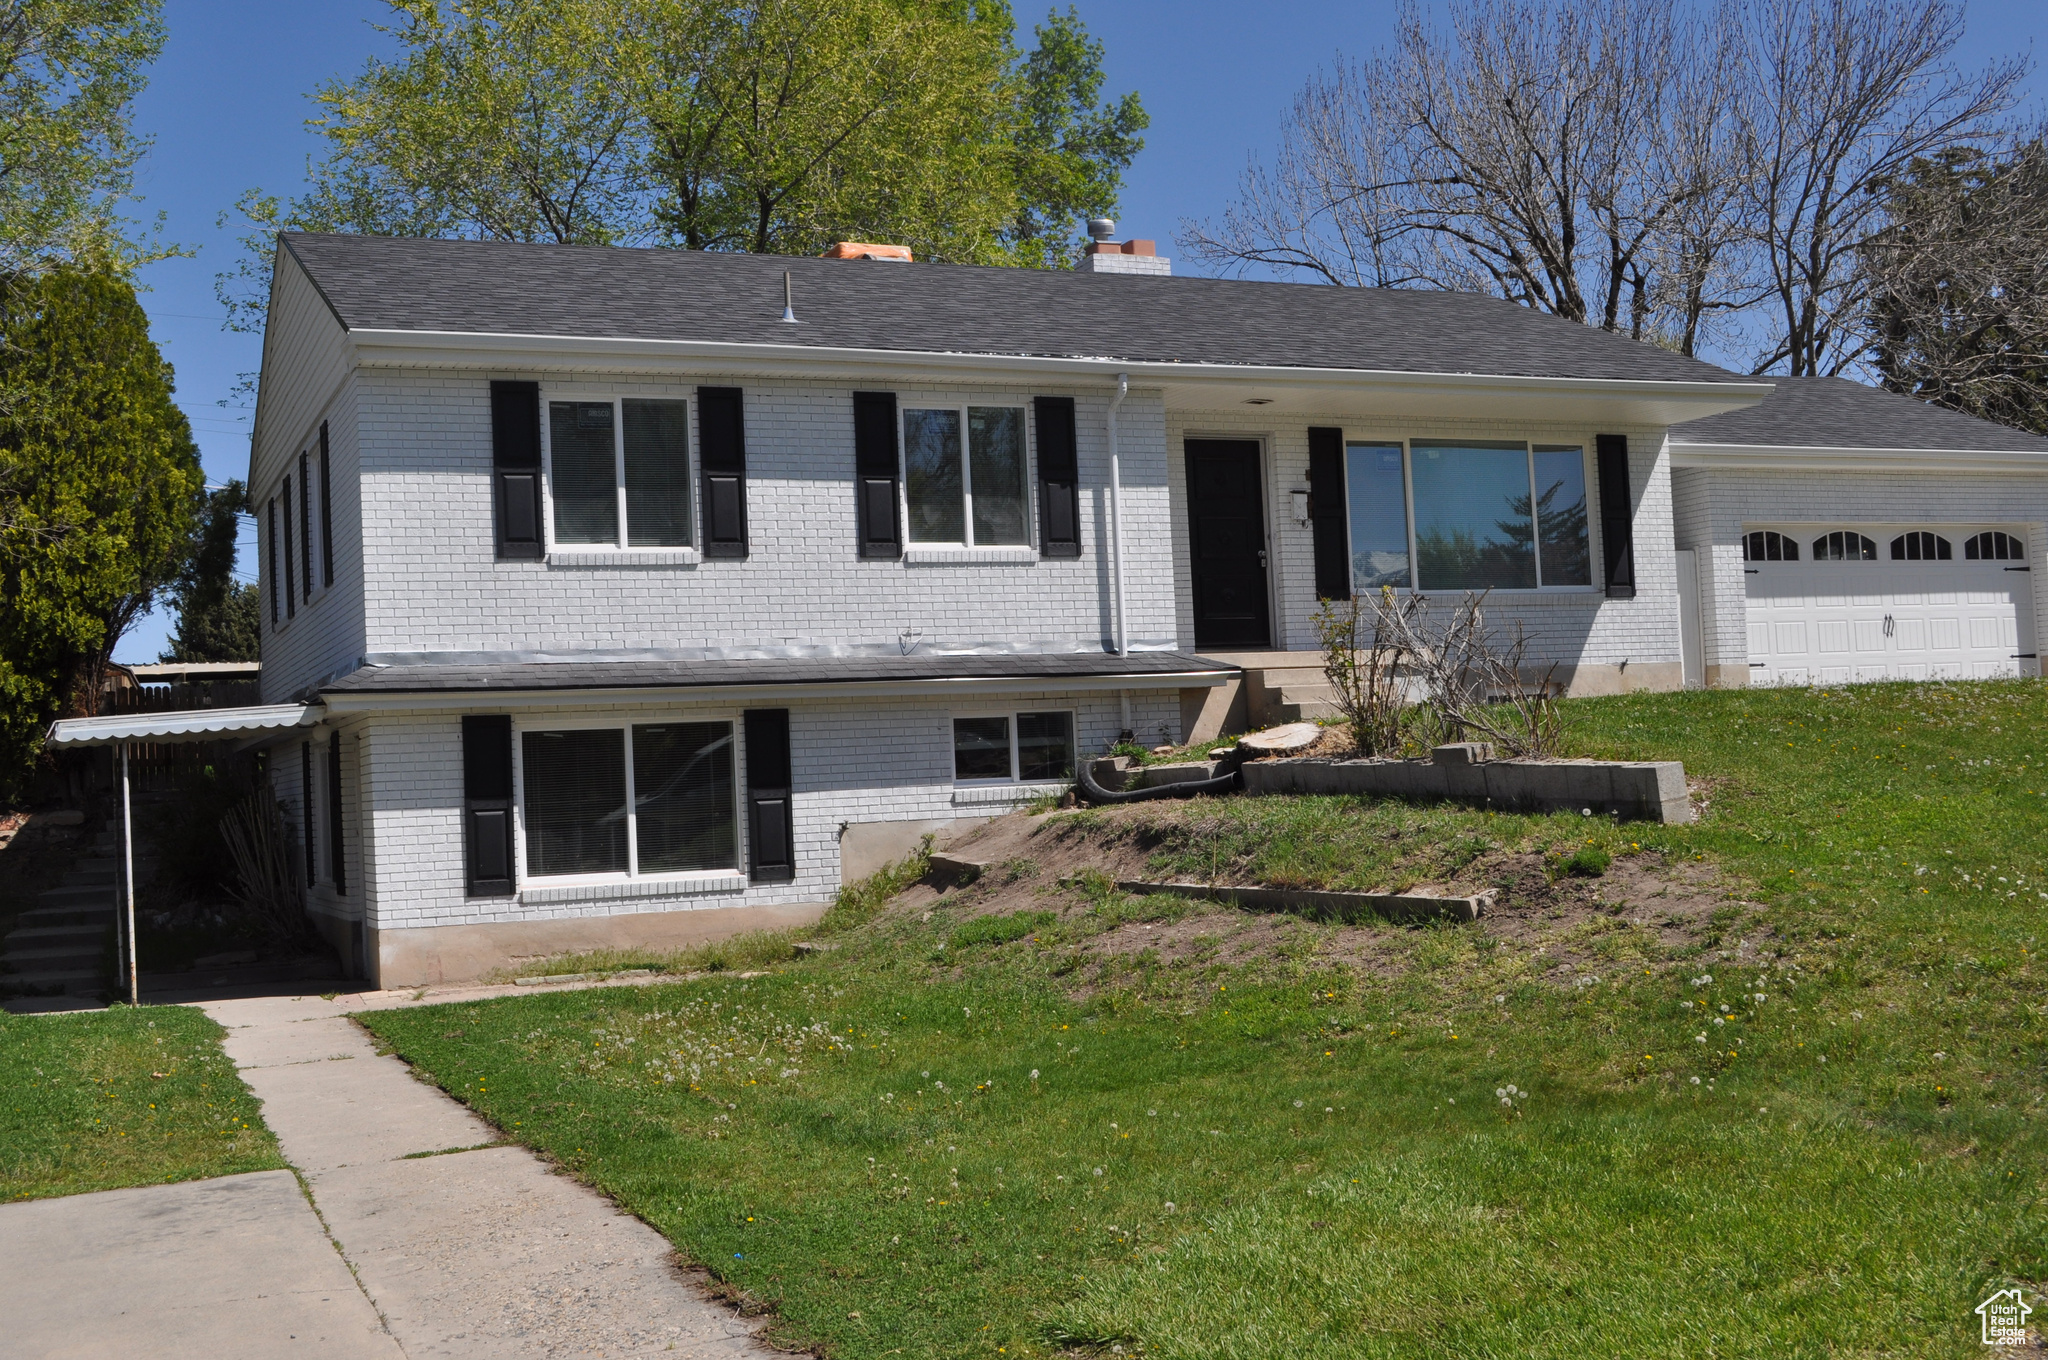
x: 481, y: 1252
x: 478, y: 1250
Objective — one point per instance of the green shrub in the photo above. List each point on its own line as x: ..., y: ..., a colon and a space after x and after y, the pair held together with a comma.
x: 1588, y: 861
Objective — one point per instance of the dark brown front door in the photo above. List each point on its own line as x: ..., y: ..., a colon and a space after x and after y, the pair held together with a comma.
x: 1227, y: 533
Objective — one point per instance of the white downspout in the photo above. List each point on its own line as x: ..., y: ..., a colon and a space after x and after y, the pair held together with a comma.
x: 1116, y: 517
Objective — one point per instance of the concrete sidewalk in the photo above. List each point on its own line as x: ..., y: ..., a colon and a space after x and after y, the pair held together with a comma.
x: 480, y: 1251
x: 237, y: 1268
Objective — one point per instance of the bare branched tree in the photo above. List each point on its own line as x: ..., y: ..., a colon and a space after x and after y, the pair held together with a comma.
x: 1840, y: 97
x: 1692, y: 176
x: 1959, y: 285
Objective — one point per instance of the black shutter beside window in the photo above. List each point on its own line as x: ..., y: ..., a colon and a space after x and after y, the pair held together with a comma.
x: 1326, y: 512
x: 722, y: 453
x: 487, y: 803
x: 326, y: 513
x: 1617, y: 516
x: 291, y: 582
x: 271, y: 553
x: 874, y: 460
x: 306, y: 808
x: 1059, y: 478
x: 515, y: 467
x: 306, y: 522
x: 771, y: 821
x: 336, y: 866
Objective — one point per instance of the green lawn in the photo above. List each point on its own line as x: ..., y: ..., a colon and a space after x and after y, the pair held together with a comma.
x: 100, y: 1100
x: 952, y: 1137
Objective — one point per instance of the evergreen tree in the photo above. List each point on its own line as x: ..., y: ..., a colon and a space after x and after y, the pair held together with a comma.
x: 101, y: 494
x: 218, y: 618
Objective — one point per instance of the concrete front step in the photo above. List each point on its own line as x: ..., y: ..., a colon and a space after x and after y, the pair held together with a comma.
x: 92, y: 873
x: 45, y: 960
x: 75, y: 981
x: 101, y: 915
x: 41, y: 937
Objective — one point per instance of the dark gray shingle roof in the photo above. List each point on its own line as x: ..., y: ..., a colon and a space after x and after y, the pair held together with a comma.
x: 1835, y: 413
x: 495, y: 287
x: 811, y: 670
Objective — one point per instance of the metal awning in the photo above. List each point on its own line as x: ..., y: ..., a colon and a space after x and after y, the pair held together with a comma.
x: 183, y: 724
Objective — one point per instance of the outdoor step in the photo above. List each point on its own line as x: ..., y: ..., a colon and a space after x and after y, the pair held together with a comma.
x: 89, y: 895
x: 94, y: 877
x: 42, y: 960
x: 98, y: 915
x: 39, y: 937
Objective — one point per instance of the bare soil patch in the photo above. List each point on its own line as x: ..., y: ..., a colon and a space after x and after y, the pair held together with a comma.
x: 1050, y: 863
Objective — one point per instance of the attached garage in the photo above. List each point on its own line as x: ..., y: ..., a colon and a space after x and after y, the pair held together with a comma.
x: 1838, y: 533
x: 1876, y: 605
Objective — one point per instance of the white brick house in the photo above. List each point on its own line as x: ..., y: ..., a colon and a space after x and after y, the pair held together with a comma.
x: 624, y: 609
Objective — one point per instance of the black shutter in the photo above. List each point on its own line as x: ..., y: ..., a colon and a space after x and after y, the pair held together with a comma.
x: 515, y: 466
x: 1617, y: 518
x: 1059, y: 478
x: 1326, y: 512
x: 326, y: 513
x: 306, y: 522
x: 336, y: 863
x: 291, y: 582
x: 722, y: 453
x: 771, y: 824
x: 874, y: 469
x: 487, y: 803
x: 271, y: 553
x: 306, y: 807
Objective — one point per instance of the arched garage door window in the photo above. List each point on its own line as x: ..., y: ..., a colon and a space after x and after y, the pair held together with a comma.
x: 1921, y: 546
x: 1993, y: 546
x: 1767, y: 545
x: 1844, y: 545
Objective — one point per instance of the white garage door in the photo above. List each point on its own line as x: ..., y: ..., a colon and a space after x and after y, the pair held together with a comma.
x: 1826, y: 623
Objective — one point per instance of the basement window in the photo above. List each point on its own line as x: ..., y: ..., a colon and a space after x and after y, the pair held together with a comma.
x: 1014, y: 747
x: 646, y: 799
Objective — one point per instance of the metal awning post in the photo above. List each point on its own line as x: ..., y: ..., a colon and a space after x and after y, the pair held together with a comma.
x: 128, y: 879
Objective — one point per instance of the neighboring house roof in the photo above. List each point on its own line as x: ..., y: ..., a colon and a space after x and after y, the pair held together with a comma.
x: 591, y: 292
x: 1837, y: 414
x: 1140, y: 669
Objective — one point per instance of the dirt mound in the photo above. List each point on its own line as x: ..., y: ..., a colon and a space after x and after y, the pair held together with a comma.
x: 1645, y: 905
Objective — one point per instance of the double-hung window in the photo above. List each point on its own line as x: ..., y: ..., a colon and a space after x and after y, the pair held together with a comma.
x: 619, y: 473
x: 1014, y: 747
x: 1467, y: 515
x: 629, y: 801
x: 965, y: 479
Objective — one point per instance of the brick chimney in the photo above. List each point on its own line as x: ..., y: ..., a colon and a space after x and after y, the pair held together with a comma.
x: 1104, y: 256
x: 861, y: 250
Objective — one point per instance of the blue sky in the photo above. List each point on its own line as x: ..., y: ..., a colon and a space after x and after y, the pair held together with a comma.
x: 227, y: 106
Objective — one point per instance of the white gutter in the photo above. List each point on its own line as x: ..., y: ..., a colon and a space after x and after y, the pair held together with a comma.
x: 1116, y: 516
x: 1797, y: 458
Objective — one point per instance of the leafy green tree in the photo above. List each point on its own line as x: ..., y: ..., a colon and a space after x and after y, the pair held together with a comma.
x: 218, y: 617
x: 1070, y: 151
x: 102, y: 488
x: 69, y: 71
x: 774, y: 126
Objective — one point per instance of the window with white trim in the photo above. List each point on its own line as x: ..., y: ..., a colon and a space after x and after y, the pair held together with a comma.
x: 619, y: 473
x: 965, y: 476
x: 1014, y: 747
x: 630, y: 801
x: 1432, y: 514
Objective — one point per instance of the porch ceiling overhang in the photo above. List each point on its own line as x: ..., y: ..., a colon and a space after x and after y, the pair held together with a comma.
x: 1188, y: 388
x: 183, y: 725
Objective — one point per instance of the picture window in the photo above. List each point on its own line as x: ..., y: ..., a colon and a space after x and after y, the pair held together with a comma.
x: 1467, y: 515
x: 652, y: 798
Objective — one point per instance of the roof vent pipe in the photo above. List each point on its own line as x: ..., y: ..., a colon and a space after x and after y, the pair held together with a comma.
x: 788, y: 311
x: 1116, y: 515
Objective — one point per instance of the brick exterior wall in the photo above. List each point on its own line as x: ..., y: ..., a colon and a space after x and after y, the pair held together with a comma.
x: 852, y: 761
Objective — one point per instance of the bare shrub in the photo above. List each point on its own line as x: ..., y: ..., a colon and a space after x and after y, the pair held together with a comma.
x: 1474, y: 685
x: 1362, y: 652
x: 266, y: 885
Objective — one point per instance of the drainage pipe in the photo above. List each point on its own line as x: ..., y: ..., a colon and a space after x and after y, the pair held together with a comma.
x: 1116, y: 517
x: 1085, y: 784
